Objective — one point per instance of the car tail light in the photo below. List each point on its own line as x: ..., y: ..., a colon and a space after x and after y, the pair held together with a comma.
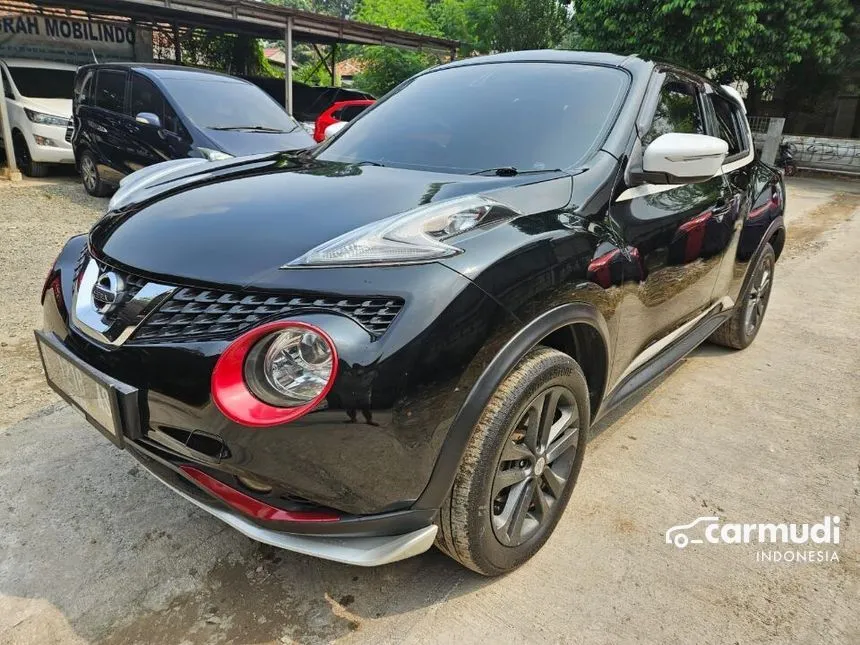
x: 251, y: 505
x: 274, y: 374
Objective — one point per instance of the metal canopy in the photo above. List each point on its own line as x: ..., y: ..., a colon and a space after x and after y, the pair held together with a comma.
x: 247, y: 17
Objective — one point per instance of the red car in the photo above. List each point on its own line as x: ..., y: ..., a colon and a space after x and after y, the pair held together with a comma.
x: 340, y: 111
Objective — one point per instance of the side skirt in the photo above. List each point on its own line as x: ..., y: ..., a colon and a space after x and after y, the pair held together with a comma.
x: 657, y: 365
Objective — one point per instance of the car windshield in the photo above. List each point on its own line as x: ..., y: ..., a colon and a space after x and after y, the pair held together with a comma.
x: 42, y: 83
x: 522, y: 116
x: 212, y: 101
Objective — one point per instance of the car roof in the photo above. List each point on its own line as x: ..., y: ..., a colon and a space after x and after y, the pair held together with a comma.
x: 555, y: 56
x: 41, y: 64
x: 159, y: 70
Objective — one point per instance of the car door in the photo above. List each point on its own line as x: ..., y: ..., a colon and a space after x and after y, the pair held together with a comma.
x: 151, y: 143
x: 728, y: 122
x: 663, y: 231
x: 107, y: 123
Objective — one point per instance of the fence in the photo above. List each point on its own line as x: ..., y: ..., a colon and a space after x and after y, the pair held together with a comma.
x: 767, y: 134
x: 825, y: 154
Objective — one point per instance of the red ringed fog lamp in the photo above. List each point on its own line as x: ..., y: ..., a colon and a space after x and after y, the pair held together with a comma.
x: 274, y: 374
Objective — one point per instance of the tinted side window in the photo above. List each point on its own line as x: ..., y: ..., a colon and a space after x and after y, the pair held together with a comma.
x: 677, y: 111
x: 350, y: 112
x: 171, y: 121
x: 730, y: 127
x: 110, y: 90
x: 83, y: 89
x: 145, y: 97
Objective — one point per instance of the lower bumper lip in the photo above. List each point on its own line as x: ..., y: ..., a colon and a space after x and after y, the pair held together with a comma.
x: 358, y: 551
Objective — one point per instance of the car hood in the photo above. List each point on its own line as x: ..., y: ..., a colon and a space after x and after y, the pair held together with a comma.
x: 233, y: 222
x: 238, y: 143
x: 56, y: 107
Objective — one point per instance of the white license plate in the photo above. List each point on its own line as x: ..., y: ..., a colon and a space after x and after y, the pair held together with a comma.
x: 91, y: 392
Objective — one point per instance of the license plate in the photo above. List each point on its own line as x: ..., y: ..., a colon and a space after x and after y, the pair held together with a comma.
x: 104, y: 401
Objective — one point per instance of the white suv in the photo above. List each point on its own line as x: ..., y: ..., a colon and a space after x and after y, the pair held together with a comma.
x: 39, y: 102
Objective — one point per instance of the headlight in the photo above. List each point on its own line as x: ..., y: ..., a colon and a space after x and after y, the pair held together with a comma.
x: 45, y: 119
x: 274, y: 374
x: 418, y: 235
x: 213, y: 155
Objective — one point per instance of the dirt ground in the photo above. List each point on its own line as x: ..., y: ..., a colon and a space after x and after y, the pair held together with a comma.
x: 94, y: 550
x: 36, y: 218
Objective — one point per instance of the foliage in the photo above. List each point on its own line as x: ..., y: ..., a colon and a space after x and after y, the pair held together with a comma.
x: 755, y: 41
x: 340, y: 8
x: 510, y: 25
x: 386, y: 67
x: 231, y: 53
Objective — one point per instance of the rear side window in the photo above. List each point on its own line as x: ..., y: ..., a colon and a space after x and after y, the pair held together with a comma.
x: 110, y: 90
x: 145, y: 97
x: 730, y: 125
x: 83, y: 89
x: 350, y: 112
x: 677, y: 111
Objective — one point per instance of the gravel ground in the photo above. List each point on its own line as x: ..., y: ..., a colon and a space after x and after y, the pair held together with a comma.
x: 36, y: 218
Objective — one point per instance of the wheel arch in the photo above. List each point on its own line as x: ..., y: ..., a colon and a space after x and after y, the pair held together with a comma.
x: 576, y: 329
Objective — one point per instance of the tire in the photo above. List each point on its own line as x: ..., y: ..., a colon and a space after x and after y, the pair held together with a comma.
x: 24, y: 159
x: 90, y: 177
x: 739, y: 331
x: 482, y: 530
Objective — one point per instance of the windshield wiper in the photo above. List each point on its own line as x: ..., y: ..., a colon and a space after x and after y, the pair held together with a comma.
x: 251, y: 128
x: 511, y: 171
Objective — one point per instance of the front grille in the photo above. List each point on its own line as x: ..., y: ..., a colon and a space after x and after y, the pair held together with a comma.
x: 192, y: 314
x: 198, y: 314
x: 70, y: 130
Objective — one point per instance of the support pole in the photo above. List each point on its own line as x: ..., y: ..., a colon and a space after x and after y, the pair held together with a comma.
x: 11, y: 171
x: 288, y: 66
x: 177, y: 46
x: 334, y: 79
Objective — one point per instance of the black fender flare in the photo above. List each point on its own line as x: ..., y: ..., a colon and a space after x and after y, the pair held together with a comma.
x: 454, y: 446
x: 777, y: 224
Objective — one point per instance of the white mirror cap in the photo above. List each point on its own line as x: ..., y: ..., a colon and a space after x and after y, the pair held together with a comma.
x: 685, y: 156
x: 735, y: 95
x: 334, y: 128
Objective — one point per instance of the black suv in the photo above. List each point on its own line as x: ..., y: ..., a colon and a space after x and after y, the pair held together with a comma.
x: 403, y: 335
x: 129, y: 115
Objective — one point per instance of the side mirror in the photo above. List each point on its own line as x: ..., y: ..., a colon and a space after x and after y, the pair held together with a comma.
x: 148, y: 118
x: 677, y: 158
x: 333, y: 129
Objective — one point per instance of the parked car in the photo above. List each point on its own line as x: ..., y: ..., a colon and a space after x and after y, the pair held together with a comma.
x: 403, y: 335
x: 131, y: 115
x: 340, y: 112
x: 39, y: 103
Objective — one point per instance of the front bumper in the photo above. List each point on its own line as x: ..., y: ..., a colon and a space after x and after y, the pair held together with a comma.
x: 61, y: 152
x: 370, y: 551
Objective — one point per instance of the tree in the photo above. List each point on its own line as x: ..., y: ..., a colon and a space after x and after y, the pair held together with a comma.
x: 510, y: 25
x: 386, y: 67
x: 755, y: 41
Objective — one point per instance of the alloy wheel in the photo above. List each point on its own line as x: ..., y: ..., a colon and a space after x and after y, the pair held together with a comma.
x: 536, y: 463
x: 88, y: 173
x: 758, y: 298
